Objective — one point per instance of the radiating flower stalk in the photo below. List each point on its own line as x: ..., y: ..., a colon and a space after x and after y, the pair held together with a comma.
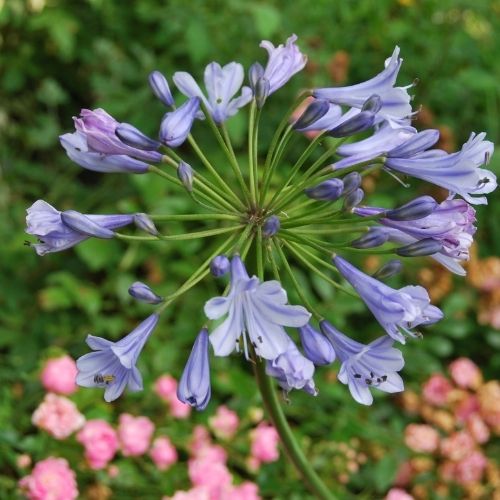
x: 269, y: 214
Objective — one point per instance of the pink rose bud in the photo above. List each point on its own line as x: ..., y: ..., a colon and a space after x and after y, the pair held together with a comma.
x: 135, y: 434
x: 457, y: 446
x: 264, y: 447
x: 163, y: 453
x: 471, y: 468
x: 23, y: 461
x: 421, y: 438
x: 465, y: 373
x: 58, y: 416
x: 100, y: 441
x: 59, y: 374
x: 212, y: 475
x: 51, y: 479
x: 436, y: 390
x: 224, y: 423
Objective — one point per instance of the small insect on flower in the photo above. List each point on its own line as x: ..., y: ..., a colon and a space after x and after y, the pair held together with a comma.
x: 104, y: 379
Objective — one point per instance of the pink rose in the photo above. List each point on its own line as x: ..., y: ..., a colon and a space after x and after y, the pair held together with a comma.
x: 466, y: 407
x: 214, y: 476
x: 58, y: 416
x: 51, y: 479
x: 200, y: 439
x: 199, y: 493
x: 163, y: 453
x: 436, y: 390
x: 244, y: 491
x: 135, y: 434
x: 224, y: 423
x: 264, y: 446
x: 478, y: 429
x: 457, y: 446
x: 465, y: 373
x: 421, y: 438
x: 471, y: 468
x: 59, y: 374
x: 398, y: 494
x: 100, y: 441
x: 178, y: 409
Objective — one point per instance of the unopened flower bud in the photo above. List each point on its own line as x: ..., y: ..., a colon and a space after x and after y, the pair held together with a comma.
x: 271, y: 226
x: 142, y: 292
x: 351, y: 182
x: 316, y: 346
x: 360, y: 121
x: 389, y: 269
x: 416, y: 209
x: 254, y: 74
x: 261, y: 91
x: 329, y: 190
x: 316, y: 110
x: 427, y: 246
x: 176, y: 126
x: 185, y: 174
x: 82, y: 224
x: 134, y: 138
x: 142, y: 221
x: 219, y: 266
x: 353, y: 199
x: 373, y: 238
x: 160, y: 88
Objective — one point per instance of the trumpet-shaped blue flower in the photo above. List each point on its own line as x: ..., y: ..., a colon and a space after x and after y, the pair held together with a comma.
x: 398, y: 311
x: 292, y: 370
x: 57, y: 231
x: 194, y: 386
x: 222, y: 83
x: 112, y: 365
x: 284, y: 61
x: 176, y: 126
x: 256, y: 309
x: 395, y: 101
x: 366, y: 366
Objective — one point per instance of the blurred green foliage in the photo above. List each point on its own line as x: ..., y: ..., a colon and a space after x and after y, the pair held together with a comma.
x: 59, y: 56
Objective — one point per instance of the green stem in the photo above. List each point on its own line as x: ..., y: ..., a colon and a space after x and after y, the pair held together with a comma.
x: 251, y: 160
x: 292, y: 447
x: 180, y: 237
x: 194, y: 217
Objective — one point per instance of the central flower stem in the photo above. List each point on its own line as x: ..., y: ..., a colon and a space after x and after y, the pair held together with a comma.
x: 273, y: 406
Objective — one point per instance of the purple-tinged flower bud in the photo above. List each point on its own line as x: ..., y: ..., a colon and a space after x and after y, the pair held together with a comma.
x: 388, y: 270
x: 316, y: 110
x: 142, y: 292
x: 82, y: 224
x: 219, y: 266
x: 416, y: 209
x: 329, y: 190
x: 316, y: 346
x: 185, y: 174
x: 415, y: 144
x: 255, y: 72
x: 160, y: 88
x: 194, y: 386
x: 351, y: 182
x: 373, y: 238
x: 134, y: 138
x: 261, y: 91
x: 271, y: 226
x: 175, y: 126
x: 353, y: 199
x: 142, y: 221
x: 356, y: 122
x: 427, y: 246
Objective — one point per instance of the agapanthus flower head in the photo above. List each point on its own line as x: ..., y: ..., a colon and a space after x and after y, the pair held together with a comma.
x: 366, y: 366
x: 112, y: 365
x: 292, y: 370
x: 284, y: 61
x: 194, y: 386
x: 398, y: 311
x: 395, y: 100
x: 222, y: 84
x: 176, y: 125
x: 55, y: 234
x: 256, y: 309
